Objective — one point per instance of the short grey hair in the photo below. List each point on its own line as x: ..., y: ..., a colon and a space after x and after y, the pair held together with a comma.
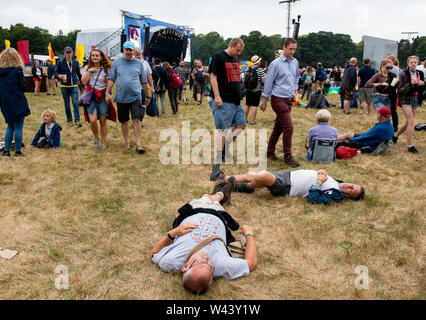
x: 323, y: 115
x: 138, y: 50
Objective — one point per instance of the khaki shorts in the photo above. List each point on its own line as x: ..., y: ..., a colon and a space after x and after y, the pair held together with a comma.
x: 366, y: 95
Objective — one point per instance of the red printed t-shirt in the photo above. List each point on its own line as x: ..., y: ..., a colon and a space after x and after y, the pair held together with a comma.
x: 227, y: 71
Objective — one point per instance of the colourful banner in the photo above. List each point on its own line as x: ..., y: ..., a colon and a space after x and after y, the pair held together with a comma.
x: 51, y: 54
x: 7, y: 43
x: 80, y: 49
x: 24, y: 51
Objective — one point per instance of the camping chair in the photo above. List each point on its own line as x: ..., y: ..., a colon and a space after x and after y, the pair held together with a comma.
x: 324, y: 151
x: 381, y: 148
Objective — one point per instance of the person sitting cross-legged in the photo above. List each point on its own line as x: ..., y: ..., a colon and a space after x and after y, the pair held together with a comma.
x: 182, y: 248
x: 317, y: 186
x: 368, y: 142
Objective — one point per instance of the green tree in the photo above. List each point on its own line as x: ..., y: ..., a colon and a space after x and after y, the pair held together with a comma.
x: 404, y: 51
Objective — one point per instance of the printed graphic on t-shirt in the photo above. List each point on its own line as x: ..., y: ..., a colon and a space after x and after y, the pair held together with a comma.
x: 207, y: 227
x: 232, y: 71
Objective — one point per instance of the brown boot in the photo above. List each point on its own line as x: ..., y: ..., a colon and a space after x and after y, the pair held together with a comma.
x: 289, y: 160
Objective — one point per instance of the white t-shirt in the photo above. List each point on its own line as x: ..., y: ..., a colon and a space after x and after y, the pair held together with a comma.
x: 146, y: 67
x: 172, y: 258
x: 302, y: 180
x: 422, y: 68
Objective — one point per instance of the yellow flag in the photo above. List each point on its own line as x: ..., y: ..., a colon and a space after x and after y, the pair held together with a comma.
x: 51, y: 54
x: 80, y: 52
x: 7, y: 43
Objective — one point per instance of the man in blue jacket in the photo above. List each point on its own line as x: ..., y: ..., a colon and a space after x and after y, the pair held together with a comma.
x: 367, y: 142
x: 317, y: 186
x: 68, y: 71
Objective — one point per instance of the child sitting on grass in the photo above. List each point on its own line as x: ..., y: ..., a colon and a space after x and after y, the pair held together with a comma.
x: 50, y: 131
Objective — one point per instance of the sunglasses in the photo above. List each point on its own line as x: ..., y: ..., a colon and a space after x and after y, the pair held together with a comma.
x: 389, y: 68
x: 200, y: 261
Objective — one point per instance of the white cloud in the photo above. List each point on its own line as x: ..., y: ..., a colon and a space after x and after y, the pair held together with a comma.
x: 381, y: 18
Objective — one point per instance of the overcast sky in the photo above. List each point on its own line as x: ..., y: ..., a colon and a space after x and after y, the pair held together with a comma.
x: 230, y: 18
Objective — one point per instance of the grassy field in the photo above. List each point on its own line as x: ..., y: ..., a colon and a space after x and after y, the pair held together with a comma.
x: 99, y: 213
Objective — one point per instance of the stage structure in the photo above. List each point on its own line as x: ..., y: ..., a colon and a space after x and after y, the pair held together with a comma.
x: 376, y: 49
x: 157, y: 39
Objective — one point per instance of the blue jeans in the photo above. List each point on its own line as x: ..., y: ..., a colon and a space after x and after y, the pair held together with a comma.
x: 73, y: 93
x: 14, y: 129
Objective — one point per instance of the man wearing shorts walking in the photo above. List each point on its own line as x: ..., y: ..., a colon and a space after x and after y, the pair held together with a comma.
x: 225, y: 99
x: 131, y: 78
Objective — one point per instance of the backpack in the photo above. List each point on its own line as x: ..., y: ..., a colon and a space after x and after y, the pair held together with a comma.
x: 323, y: 75
x: 308, y: 80
x: 250, y: 79
x: 159, y: 85
x: 346, y: 152
x: 175, y: 81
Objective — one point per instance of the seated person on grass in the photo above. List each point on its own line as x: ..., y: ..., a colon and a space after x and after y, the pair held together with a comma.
x: 367, y: 142
x: 317, y: 100
x: 50, y: 131
x: 317, y: 186
x: 323, y: 131
x: 199, y: 220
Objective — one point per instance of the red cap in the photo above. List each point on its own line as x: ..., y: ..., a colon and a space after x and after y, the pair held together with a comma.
x: 385, y: 112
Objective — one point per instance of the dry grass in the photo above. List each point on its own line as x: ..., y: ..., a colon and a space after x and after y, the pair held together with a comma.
x: 100, y: 213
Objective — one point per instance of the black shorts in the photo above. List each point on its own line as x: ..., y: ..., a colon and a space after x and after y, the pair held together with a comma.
x: 282, y: 184
x: 253, y: 98
x: 135, y: 108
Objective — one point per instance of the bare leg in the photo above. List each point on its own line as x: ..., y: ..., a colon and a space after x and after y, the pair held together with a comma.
x: 345, y: 136
x: 364, y: 108
x: 138, y: 131
x: 253, y: 115
x: 94, y: 124
x: 255, y: 180
x: 125, y: 131
x: 346, y: 106
x: 215, y: 197
x: 104, y: 130
x: 246, y: 111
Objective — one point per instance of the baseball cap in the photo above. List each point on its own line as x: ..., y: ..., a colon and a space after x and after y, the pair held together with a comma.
x: 129, y: 45
x: 385, y: 112
x: 67, y: 49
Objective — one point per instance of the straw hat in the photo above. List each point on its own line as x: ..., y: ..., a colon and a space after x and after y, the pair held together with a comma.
x: 255, y: 59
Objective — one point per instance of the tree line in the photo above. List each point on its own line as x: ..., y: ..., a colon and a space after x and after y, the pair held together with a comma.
x: 329, y: 48
x: 38, y: 38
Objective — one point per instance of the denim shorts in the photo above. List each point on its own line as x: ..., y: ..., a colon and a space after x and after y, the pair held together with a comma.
x: 381, y: 101
x: 228, y: 115
x: 412, y: 101
x: 101, y: 107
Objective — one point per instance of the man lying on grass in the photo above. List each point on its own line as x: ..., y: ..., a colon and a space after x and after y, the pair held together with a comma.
x: 189, y: 247
x: 316, y: 185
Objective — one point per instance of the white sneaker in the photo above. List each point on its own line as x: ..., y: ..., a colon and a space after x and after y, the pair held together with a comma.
x: 95, y: 143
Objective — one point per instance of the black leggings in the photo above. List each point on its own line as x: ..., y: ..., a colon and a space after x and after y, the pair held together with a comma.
x: 173, y: 99
x: 394, y: 113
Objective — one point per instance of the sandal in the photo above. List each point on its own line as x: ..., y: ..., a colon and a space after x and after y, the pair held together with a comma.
x: 253, y: 123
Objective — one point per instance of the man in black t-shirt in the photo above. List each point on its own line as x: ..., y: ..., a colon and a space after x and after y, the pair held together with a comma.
x: 225, y: 98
